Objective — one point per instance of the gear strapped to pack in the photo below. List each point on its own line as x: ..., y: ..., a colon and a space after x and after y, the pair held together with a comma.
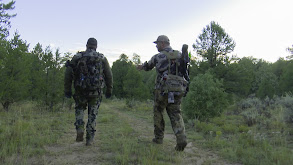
x: 89, y: 71
x: 171, y: 81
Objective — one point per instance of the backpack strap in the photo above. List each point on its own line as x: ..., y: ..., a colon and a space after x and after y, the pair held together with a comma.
x: 173, y: 55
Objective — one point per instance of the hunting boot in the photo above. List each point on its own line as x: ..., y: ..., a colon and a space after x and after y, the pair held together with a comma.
x: 158, y: 141
x: 181, y: 143
x: 89, y: 138
x: 180, y: 146
x: 79, y: 135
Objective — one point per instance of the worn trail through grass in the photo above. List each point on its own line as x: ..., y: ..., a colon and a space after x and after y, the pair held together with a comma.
x: 124, y: 137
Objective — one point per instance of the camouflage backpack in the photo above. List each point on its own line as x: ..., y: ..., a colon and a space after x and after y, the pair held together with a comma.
x: 171, y: 81
x: 89, y: 71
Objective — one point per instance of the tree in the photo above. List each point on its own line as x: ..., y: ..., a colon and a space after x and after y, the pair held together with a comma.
x: 265, y: 80
x: 5, y: 18
x: 290, y: 50
x: 240, y: 76
x: 149, y: 80
x: 120, y: 69
x: 55, y: 81
x: 133, y: 85
x: 14, y: 71
x: 214, y: 44
x: 286, y: 79
x: 279, y: 66
x: 136, y: 59
x: 37, y: 72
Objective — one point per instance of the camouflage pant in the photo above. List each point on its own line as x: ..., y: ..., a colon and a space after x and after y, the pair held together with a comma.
x: 81, y: 104
x: 174, y: 113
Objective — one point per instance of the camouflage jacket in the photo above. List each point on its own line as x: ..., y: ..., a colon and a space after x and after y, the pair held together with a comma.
x: 69, y: 75
x: 161, y: 63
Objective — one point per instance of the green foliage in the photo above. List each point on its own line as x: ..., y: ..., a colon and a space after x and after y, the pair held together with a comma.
x: 136, y: 59
x: 214, y: 44
x: 120, y: 69
x: 36, y: 75
x: 279, y: 67
x: 149, y: 79
x: 240, y: 76
x: 129, y: 82
x: 290, y: 50
x: 133, y: 85
x: 54, y: 77
x: 5, y: 18
x: 13, y: 71
x: 266, y: 142
x: 286, y: 79
x: 206, y: 98
x: 271, y: 113
x: 46, y: 75
x: 284, y: 105
x: 266, y: 81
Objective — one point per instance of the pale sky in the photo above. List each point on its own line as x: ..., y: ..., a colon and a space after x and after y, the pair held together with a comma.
x: 261, y: 28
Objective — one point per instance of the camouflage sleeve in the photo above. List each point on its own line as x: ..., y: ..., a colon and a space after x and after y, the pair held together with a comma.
x: 150, y: 64
x: 108, y: 75
x: 68, y: 77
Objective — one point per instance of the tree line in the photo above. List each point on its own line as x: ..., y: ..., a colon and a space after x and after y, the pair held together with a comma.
x: 217, y: 78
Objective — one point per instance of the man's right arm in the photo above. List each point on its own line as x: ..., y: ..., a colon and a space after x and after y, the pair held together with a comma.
x: 148, y: 65
x: 68, y: 77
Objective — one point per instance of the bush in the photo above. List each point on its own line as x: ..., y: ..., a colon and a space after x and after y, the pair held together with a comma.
x: 286, y: 103
x: 270, y: 112
x: 206, y: 98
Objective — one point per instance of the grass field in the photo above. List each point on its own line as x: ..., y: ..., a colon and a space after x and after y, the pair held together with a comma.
x: 31, y: 135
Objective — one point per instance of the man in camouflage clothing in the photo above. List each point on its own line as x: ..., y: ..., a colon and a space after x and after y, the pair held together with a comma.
x: 83, y: 96
x: 161, y: 102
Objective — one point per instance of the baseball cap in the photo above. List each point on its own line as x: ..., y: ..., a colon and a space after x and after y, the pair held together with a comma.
x: 162, y: 38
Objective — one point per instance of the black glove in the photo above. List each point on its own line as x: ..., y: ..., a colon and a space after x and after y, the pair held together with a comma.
x: 186, y: 91
x: 108, y: 94
x: 68, y: 94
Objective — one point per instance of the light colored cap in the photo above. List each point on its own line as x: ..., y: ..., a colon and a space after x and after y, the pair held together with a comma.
x: 162, y: 38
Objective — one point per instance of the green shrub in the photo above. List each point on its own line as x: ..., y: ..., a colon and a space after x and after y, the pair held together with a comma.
x: 243, y: 128
x: 206, y: 128
x: 229, y: 128
x: 273, y: 113
x: 206, y: 98
x: 251, y: 116
x: 287, y: 103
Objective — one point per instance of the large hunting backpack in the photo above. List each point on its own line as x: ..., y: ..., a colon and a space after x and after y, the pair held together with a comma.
x: 89, y: 71
x: 172, y: 81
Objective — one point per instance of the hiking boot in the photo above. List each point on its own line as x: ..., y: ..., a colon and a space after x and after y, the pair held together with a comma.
x: 158, y: 141
x: 89, y: 139
x: 79, y: 136
x: 180, y: 146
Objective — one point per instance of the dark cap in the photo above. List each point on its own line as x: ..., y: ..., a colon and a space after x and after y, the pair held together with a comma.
x: 92, y: 42
x: 162, y: 38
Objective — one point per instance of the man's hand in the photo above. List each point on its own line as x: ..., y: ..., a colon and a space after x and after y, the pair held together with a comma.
x: 139, y: 67
x: 68, y: 94
x: 108, y: 93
